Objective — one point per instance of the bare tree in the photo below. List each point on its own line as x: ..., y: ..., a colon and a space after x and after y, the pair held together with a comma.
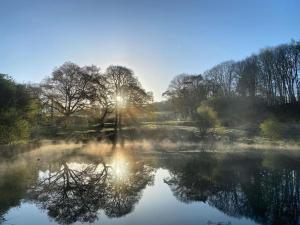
x: 186, y: 93
x: 272, y: 76
x: 125, y: 91
x: 66, y: 91
x: 247, y: 80
x: 223, y: 75
x: 99, y: 94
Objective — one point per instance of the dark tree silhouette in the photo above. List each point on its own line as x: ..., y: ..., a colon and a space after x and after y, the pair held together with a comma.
x: 126, y: 92
x: 186, y: 93
x: 72, y: 195
x: 101, y: 95
x: 66, y: 91
x: 77, y: 194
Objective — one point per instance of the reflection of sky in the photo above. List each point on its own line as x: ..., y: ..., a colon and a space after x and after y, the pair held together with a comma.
x: 157, y: 206
x: 118, y: 167
x: 27, y: 214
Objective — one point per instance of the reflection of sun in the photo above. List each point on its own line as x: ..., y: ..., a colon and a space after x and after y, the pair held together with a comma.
x: 120, y: 167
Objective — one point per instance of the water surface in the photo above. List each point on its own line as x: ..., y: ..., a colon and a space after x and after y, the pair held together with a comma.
x: 78, y: 186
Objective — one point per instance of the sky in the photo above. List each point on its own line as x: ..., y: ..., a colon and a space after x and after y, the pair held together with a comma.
x: 157, y: 39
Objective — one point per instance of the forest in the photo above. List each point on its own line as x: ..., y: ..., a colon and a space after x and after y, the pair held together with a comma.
x: 270, y: 78
x: 261, y: 92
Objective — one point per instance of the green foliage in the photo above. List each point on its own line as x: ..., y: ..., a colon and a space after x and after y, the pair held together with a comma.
x: 12, y: 134
x: 13, y: 127
x: 18, y: 110
x: 234, y: 111
x: 271, y: 128
x: 205, y: 118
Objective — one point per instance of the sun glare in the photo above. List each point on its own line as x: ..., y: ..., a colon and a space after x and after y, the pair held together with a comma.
x: 120, y: 101
x: 120, y: 167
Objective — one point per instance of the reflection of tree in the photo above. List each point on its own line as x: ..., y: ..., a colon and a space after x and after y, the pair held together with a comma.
x: 77, y: 193
x: 192, y: 180
x: 269, y: 197
x: 2, y: 219
x: 15, y: 178
x: 240, y: 187
x: 72, y: 195
x: 122, y: 196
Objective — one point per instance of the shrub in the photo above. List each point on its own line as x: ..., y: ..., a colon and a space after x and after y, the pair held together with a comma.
x: 205, y: 118
x: 13, y: 128
x: 19, y: 131
x: 19, y: 107
x: 271, y: 128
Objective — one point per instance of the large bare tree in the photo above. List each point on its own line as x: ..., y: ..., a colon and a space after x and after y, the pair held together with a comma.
x: 66, y: 90
x: 125, y: 91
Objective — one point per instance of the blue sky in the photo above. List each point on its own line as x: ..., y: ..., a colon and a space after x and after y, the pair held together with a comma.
x: 158, y: 39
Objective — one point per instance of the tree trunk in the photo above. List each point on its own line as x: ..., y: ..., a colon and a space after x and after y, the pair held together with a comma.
x: 101, y: 121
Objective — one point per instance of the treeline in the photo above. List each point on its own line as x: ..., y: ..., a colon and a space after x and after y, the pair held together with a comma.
x: 270, y: 77
x: 73, y: 91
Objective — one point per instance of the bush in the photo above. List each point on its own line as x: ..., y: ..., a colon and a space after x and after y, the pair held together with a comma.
x: 271, y: 128
x: 19, y: 131
x: 14, y: 130
x: 19, y: 107
x: 205, y: 118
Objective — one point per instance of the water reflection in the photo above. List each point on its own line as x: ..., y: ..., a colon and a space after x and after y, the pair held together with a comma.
x: 80, y: 186
x: 71, y: 194
x: 14, y: 181
x: 77, y: 191
x: 240, y: 186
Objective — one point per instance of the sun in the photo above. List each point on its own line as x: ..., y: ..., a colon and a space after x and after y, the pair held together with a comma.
x: 120, y: 101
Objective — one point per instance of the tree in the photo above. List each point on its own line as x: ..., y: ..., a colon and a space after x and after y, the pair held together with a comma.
x: 247, y: 80
x: 205, y: 118
x: 18, y: 109
x: 186, y: 92
x: 66, y: 91
x: 270, y: 77
x: 223, y: 76
x: 125, y: 92
x: 267, y: 74
x: 100, y: 95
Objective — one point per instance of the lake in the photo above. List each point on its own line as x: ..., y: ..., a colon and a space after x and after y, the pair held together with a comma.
x: 80, y: 184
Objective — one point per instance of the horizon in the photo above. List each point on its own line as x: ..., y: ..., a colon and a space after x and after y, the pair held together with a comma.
x: 157, y: 40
